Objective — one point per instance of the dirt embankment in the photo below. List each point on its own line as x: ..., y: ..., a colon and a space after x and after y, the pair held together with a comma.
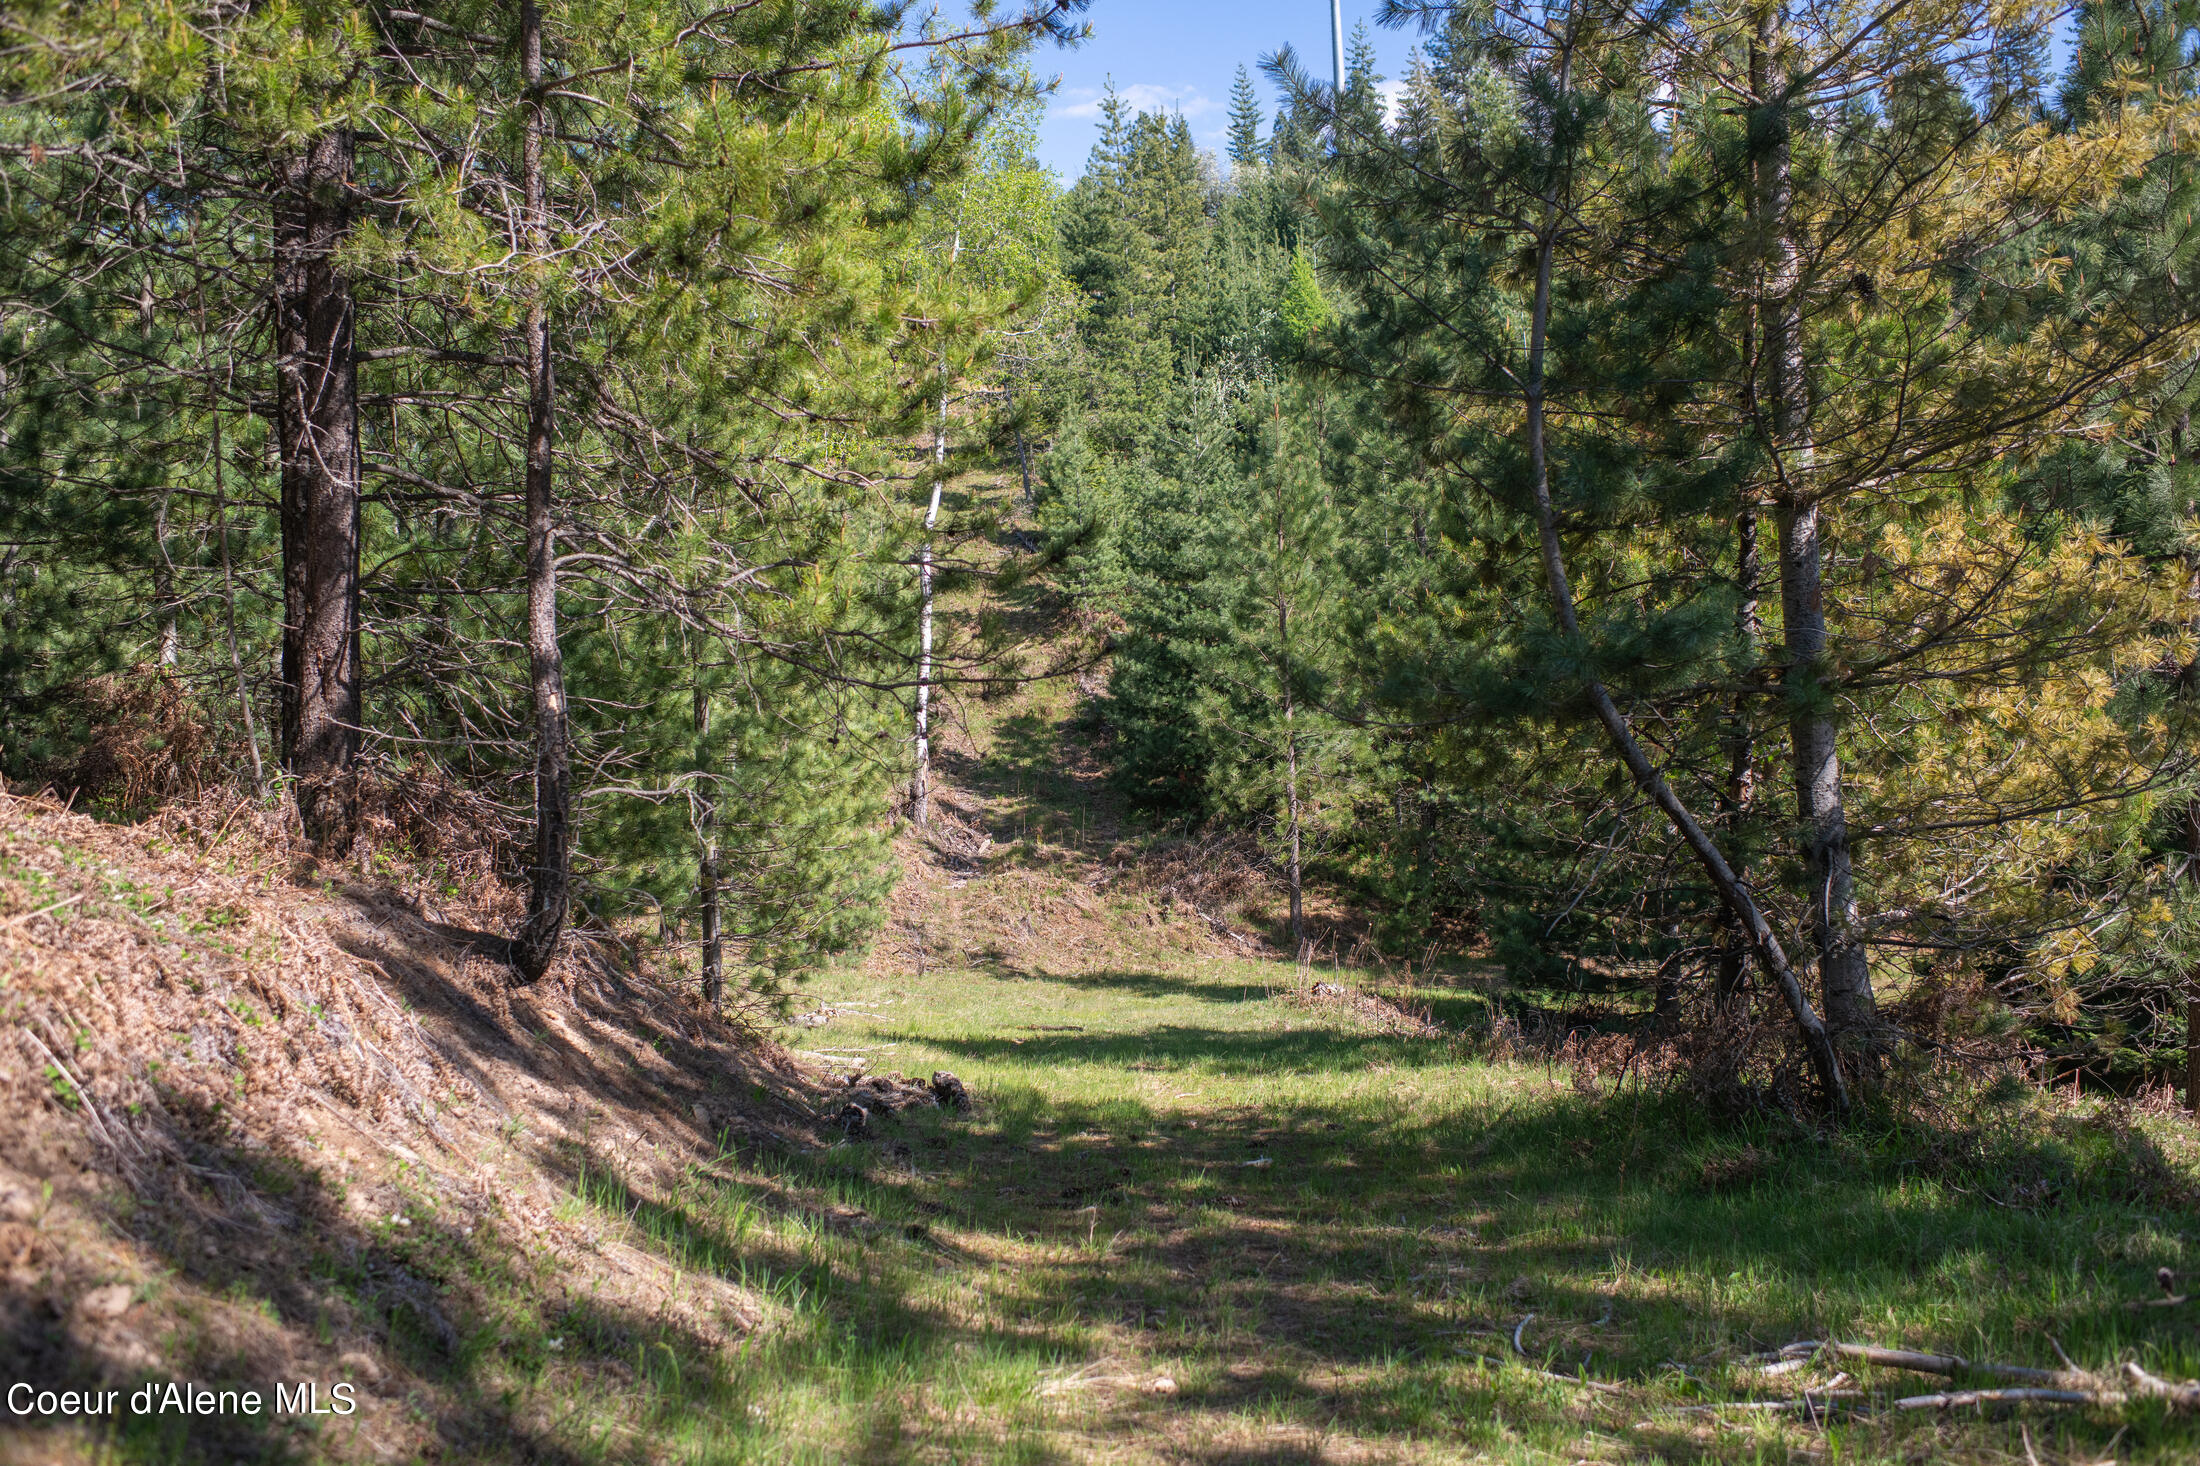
x: 268, y: 1122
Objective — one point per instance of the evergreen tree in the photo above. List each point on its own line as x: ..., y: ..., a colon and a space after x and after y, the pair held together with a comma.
x: 1134, y: 242
x: 1274, y: 681
x: 655, y: 421
x: 1245, y: 148
x: 1549, y: 140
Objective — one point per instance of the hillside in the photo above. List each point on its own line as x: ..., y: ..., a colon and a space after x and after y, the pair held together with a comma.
x: 269, y: 1123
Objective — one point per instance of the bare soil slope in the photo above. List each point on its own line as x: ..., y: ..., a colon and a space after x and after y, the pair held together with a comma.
x: 266, y: 1122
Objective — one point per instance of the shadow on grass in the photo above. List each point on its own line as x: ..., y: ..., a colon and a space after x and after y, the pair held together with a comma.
x: 1319, y: 1264
x: 1152, y: 984
x: 1207, y: 1050
x: 1329, y: 1260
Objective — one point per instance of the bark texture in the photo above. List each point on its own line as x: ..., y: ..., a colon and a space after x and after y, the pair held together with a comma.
x: 1290, y: 765
x: 317, y: 432
x: 1813, y: 733
x: 920, y: 788
x: 549, y: 875
x: 1741, y: 744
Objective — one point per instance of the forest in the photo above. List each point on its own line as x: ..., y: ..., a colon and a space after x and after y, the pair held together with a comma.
x: 1628, y: 597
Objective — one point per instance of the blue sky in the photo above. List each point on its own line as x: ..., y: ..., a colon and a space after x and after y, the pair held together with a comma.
x: 1180, y: 56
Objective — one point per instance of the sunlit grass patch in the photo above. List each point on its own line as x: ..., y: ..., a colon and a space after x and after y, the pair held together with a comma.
x: 1190, y: 1220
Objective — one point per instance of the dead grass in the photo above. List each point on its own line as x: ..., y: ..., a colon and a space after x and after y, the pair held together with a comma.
x: 303, y: 1115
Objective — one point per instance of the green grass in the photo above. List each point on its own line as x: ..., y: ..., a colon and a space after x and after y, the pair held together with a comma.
x: 1011, y: 1285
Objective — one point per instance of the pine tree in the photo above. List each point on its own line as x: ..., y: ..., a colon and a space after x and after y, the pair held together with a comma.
x: 1134, y: 242
x: 705, y: 329
x: 1630, y: 504
x: 1245, y: 146
x: 1274, y: 683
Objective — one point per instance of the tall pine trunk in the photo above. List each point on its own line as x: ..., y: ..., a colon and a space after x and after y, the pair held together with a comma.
x: 1023, y: 450
x: 229, y: 587
x: 317, y: 432
x: 1741, y: 744
x: 1290, y: 705
x: 1290, y: 762
x: 164, y: 587
x: 1844, y: 971
x: 549, y: 875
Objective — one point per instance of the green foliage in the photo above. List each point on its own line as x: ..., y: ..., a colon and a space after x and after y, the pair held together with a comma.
x: 740, y: 214
x: 2022, y: 782
x: 1303, y: 311
x: 1245, y: 118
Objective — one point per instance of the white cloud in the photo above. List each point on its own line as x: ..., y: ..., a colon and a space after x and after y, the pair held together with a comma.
x: 1393, y: 93
x: 1188, y: 102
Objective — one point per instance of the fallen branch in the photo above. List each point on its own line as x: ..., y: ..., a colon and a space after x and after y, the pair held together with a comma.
x: 1950, y: 1365
x: 1808, y: 1400
x: 2181, y: 1394
x: 1955, y: 1399
x: 16, y: 921
x: 91, y: 1106
x: 2066, y: 1386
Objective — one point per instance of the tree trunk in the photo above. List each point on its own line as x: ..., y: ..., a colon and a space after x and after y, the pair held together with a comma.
x: 1665, y: 987
x: 2192, y: 978
x: 1766, y: 945
x: 1290, y: 709
x: 1291, y: 781
x: 164, y: 587
x: 2192, y: 1055
x: 549, y: 876
x: 317, y: 429
x: 1844, y: 971
x: 920, y: 788
x: 1023, y: 452
x: 706, y: 877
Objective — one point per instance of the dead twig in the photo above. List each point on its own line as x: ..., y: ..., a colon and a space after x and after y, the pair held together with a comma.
x: 1812, y: 1400
x: 15, y: 921
x: 2181, y: 1394
x: 1956, y: 1399
x: 1950, y: 1365
x: 91, y: 1107
x: 2069, y: 1385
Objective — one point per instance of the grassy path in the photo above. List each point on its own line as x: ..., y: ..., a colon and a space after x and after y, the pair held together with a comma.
x: 1195, y: 1221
